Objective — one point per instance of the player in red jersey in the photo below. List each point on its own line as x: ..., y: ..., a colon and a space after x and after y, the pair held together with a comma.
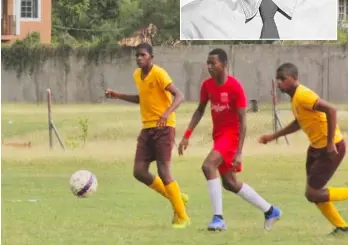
x: 228, y: 111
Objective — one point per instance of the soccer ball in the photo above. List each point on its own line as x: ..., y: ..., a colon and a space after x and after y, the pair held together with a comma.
x: 83, y: 183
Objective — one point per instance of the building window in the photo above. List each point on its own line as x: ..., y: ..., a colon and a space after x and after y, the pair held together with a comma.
x: 30, y: 9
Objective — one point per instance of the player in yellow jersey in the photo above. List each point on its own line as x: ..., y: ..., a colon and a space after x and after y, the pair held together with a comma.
x: 317, y: 118
x: 156, y: 91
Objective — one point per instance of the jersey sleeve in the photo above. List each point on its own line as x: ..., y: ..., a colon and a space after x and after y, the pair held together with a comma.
x: 135, y: 75
x: 164, y: 79
x: 307, y: 99
x: 136, y: 78
x: 241, y: 101
x: 204, y: 98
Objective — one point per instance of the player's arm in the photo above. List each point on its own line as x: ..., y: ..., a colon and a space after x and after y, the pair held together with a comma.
x: 242, y: 128
x: 168, y: 85
x: 178, y: 98
x: 289, y: 129
x: 330, y: 111
x: 197, y: 116
x: 199, y: 112
x: 126, y: 97
x: 241, y: 105
x: 311, y: 101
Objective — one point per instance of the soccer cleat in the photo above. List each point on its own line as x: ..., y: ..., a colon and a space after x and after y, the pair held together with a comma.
x: 181, y: 223
x: 217, y: 224
x: 185, y: 199
x: 270, y: 219
x: 339, y: 231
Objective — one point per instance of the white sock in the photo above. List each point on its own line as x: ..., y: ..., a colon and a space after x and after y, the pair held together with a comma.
x: 215, y: 193
x: 251, y: 196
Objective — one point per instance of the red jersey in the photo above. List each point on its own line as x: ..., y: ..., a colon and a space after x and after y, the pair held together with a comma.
x: 225, y: 99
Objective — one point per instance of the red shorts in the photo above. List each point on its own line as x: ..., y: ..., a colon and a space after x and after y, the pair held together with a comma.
x: 227, y: 145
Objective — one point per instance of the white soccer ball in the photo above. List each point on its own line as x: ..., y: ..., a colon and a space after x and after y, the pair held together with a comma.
x: 83, y: 183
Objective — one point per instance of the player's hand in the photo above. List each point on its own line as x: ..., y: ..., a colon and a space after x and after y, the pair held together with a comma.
x: 109, y: 93
x: 264, y: 139
x: 332, y: 149
x: 182, y: 146
x: 237, y: 160
x: 162, y: 122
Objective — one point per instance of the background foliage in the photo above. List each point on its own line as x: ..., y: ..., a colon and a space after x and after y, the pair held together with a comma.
x: 99, y: 26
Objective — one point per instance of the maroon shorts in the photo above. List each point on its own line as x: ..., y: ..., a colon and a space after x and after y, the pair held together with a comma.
x: 155, y: 144
x: 320, y: 167
x: 227, y: 145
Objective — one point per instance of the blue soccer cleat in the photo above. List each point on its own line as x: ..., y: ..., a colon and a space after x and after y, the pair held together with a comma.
x: 217, y: 224
x: 270, y: 219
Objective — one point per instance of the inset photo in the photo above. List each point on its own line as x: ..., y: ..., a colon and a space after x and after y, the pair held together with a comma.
x: 261, y: 19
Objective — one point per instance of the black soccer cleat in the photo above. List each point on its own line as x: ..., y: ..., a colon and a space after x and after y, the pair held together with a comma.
x: 339, y: 230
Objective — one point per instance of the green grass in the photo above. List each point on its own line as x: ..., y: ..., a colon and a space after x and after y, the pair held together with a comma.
x: 38, y: 208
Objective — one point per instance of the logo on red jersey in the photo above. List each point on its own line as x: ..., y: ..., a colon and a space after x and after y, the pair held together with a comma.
x: 224, y: 97
x: 224, y: 105
x: 219, y: 108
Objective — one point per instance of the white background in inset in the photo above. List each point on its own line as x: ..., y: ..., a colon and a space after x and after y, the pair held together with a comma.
x: 312, y: 20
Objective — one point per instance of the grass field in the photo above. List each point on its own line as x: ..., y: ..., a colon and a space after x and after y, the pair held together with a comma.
x: 38, y: 208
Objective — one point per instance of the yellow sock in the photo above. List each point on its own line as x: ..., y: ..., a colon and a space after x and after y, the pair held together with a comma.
x: 173, y: 191
x: 331, y: 213
x: 338, y: 194
x: 158, y: 186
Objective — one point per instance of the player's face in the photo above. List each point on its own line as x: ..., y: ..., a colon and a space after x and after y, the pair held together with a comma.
x: 215, y: 66
x: 284, y: 82
x: 143, y: 58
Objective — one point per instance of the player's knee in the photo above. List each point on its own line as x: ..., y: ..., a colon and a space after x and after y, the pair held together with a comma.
x: 138, y: 174
x: 227, y: 186
x: 231, y: 185
x: 311, y: 197
x: 208, y: 169
x: 211, y: 164
x: 164, y: 174
x: 205, y: 168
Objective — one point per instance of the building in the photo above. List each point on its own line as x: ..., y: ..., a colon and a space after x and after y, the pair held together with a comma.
x: 143, y: 35
x: 21, y: 17
x: 343, y: 10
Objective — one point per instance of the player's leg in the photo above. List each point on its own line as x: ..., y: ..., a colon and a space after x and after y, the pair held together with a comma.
x: 164, y: 141
x: 143, y: 158
x: 268, y: 10
x: 227, y: 147
x: 144, y: 155
x: 209, y: 167
x: 246, y: 192
x: 320, y: 169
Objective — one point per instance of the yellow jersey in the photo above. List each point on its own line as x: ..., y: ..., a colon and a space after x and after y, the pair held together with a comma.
x: 313, y: 123
x: 153, y: 96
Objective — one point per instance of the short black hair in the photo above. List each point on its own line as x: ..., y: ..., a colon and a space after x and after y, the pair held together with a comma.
x: 221, y: 54
x: 145, y: 46
x: 288, y: 69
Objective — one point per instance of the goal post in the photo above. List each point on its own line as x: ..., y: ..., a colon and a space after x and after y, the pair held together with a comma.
x: 51, y: 127
x: 275, y: 117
